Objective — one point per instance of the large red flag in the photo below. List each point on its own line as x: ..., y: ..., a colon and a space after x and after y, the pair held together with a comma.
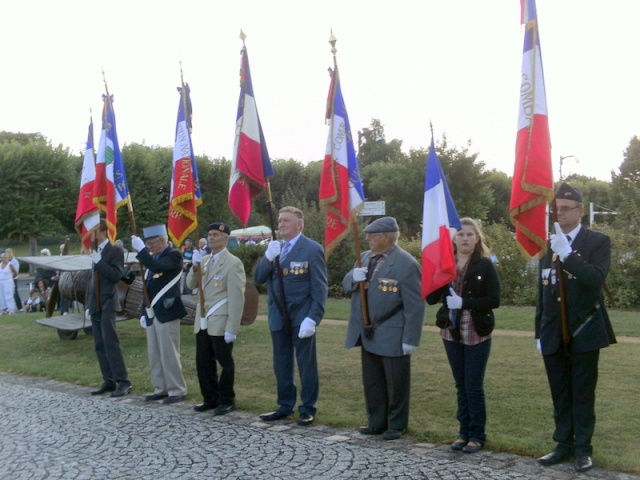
x: 185, y: 189
x: 87, y: 213
x: 250, y: 165
x: 532, y: 184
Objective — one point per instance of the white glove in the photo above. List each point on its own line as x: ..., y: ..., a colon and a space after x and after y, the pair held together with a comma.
x: 196, y: 259
x: 87, y: 315
x: 143, y: 321
x: 273, y: 250
x: 230, y: 337
x: 307, y: 327
x: 539, y: 345
x: 360, y: 274
x: 137, y: 243
x: 408, y: 349
x: 559, y: 243
x: 454, y: 301
x: 96, y: 257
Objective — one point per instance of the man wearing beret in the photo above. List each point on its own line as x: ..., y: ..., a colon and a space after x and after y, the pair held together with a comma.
x: 163, y: 271
x: 396, y: 314
x: 582, y: 257
x: 295, y: 272
x: 223, y: 281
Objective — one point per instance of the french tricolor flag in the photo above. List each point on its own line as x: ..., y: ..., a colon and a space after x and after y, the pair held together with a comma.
x: 438, y: 218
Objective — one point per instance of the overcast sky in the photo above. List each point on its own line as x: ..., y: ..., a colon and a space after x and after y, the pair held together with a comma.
x: 455, y: 63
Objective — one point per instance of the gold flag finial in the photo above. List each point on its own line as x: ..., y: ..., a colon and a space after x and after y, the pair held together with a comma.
x: 242, y: 36
x: 104, y: 79
x: 332, y: 41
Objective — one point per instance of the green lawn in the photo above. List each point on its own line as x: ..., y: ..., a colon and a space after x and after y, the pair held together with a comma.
x: 519, y: 405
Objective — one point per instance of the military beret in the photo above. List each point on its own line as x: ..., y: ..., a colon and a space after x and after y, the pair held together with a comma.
x: 154, y: 231
x: 221, y: 227
x: 567, y: 192
x: 382, y: 225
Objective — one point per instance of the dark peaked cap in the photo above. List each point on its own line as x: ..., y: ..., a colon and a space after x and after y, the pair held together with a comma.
x: 567, y: 192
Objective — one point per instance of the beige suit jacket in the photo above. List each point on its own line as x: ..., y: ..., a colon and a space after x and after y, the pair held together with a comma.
x: 226, y: 279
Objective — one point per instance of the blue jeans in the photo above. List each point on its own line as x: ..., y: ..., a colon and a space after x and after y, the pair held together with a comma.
x: 468, y: 364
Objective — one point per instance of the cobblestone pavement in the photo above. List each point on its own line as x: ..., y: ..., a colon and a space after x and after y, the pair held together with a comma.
x: 53, y: 430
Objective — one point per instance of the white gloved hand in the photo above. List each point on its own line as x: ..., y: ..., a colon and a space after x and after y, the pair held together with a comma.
x: 360, y: 274
x: 539, y: 345
x: 137, y: 243
x: 87, y: 315
x: 96, y: 257
x: 143, y: 321
x: 196, y: 259
x: 559, y: 243
x: 454, y: 301
x: 408, y: 349
x: 307, y: 328
x: 273, y: 250
x: 230, y: 337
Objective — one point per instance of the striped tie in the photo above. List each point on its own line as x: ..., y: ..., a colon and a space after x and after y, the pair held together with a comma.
x: 286, y: 247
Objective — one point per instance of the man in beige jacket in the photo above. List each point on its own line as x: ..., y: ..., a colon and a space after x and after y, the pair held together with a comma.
x: 223, y: 283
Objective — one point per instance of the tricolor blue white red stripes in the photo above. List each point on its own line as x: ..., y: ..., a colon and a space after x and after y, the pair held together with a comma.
x: 439, y: 217
x: 87, y: 213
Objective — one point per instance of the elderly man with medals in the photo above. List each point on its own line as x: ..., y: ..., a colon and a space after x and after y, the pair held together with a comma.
x: 163, y: 271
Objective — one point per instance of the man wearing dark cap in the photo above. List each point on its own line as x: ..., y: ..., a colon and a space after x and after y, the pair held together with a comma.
x: 582, y: 257
x: 295, y: 272
x: 396, y: 314
x: 223, y: 281
x: 163, y: 271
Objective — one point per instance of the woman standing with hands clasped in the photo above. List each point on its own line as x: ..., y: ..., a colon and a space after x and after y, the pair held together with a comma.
x: 466, y: 321
x: 7, y: 274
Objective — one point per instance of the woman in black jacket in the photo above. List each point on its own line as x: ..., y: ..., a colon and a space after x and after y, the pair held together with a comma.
x: 466, y: 321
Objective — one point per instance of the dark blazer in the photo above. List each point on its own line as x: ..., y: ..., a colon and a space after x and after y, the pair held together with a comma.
x: 480, y: 294
x: 585, y: 271
x: 305, y: 284
x: 161, y: 272
x: 110, y: 269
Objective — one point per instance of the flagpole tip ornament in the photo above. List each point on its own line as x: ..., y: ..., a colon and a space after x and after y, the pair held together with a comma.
x: 242, y: 36
x: 332, y: 42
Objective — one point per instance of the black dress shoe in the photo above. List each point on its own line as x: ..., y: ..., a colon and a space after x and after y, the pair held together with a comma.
x: 122, y: 390
x: 553, y: 458
x: 370, y: 431
x: 472, y: 448
x: 273, y: 416
x: 305, y: 419
x: 171, y: 399
x: 223, y: 409
x: 458, y: 445
x: 583, y: 463
x: 155, y: 396
x: 203, y: 407
x: 104, y: 388
x: 392, y: 434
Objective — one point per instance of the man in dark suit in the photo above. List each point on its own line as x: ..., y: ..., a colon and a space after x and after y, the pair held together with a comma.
x: 583, y: 256
x: 396, y: 315
x: 295, y: 272
x: 108, y: 267
x: 163, y: 266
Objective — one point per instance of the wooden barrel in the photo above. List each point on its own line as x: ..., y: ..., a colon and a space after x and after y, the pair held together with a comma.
x: 74, y: 285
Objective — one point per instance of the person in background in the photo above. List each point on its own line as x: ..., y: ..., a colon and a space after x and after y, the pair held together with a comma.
x: 223, y: 284
x: 44, y: 291
x: 63, y: 303
x: 583, y: 258
x: 297, y: 296
x: 204, y: 247
x: 108, y: 266
x: 187, y: 254
x: 16, y: 265
x: 466, y: 321
x: 161, y: 320
x: 35, y: 302
x: 7, y: 274
x: 396, y: 315
x: 46, y: 274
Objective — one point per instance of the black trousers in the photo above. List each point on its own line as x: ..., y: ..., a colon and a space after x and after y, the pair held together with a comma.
x: 107, y: 346
x: 387, y: 387
x: 573, y: 379
x: 209, y: 350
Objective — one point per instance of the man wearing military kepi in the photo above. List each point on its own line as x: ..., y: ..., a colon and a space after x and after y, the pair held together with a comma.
x: 582, y: 257
x: 396, y: 315
x: 216, y: 329
x: 163, y: 271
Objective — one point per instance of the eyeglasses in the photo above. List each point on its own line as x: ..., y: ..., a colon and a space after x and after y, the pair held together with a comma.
x: 564, y: 210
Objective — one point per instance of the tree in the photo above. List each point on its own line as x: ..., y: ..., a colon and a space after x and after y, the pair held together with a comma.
x: 500, y: 186
x: 625, y: 187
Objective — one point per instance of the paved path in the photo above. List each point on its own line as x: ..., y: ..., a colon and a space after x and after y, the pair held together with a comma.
x: 52, y: 430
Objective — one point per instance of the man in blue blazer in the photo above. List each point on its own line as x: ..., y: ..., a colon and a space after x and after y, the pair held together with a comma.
x: 584, y: 257
x: 295, y: 272
x: 163, y: 269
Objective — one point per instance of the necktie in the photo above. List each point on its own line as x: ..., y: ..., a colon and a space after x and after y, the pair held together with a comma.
x: 373, y: 262
x: 569, y: 238
x: 286, y: 247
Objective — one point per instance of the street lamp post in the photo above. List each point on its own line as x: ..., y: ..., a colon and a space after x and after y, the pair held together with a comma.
x: 562, y: 159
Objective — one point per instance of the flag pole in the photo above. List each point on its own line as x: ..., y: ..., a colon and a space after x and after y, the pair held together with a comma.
x: 187, y: 119
x: 364, y: 304
x: 564, y: 319
x: 132, y: 219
